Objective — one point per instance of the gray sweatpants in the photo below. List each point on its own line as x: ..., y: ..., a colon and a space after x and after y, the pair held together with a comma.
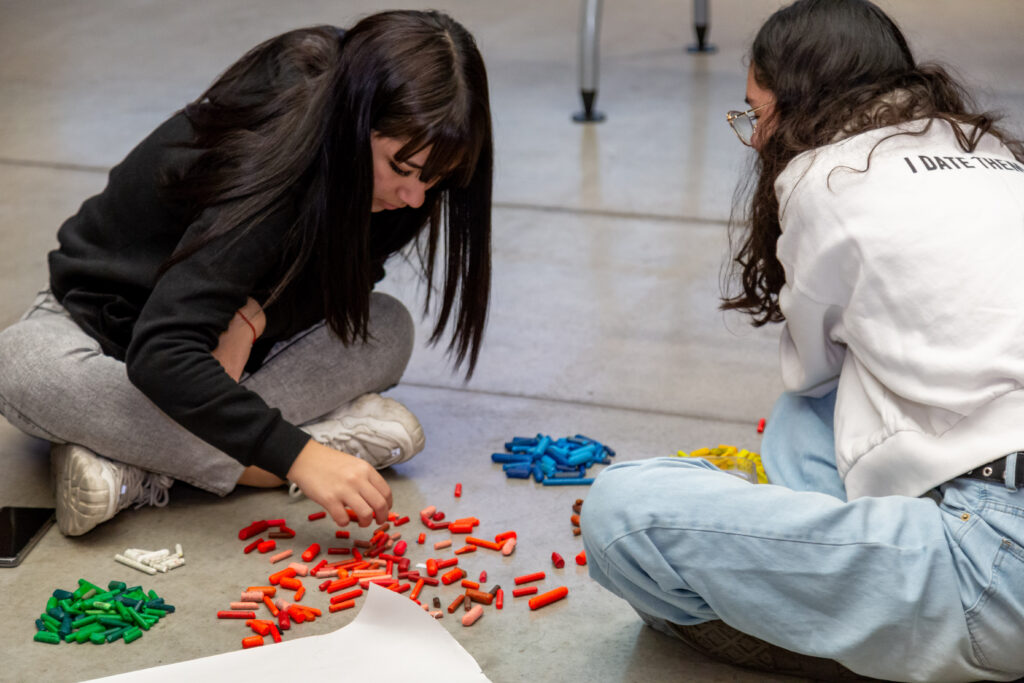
x: 56, y: 384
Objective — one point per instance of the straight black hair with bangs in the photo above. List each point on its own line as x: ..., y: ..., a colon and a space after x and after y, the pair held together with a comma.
x: 291, y: 122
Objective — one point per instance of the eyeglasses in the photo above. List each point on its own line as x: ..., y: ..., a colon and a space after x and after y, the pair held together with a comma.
x: 744, y: 123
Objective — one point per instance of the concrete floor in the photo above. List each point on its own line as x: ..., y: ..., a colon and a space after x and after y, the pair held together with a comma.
x: 609, y: 245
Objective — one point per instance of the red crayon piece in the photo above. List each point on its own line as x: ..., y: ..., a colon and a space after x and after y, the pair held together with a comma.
x: 547, y: 598
x: 235, y: 614
x: 351, y: 595
x: 457, y: 603
x: 760, y: 426
x: 270, y: 604
x: 581, y: 559
x: 526, y: 578
x: 317, y: 515
x: 557, y: 560
x: 276, y: 577
x: 346, y: 604
x: 520, y: 592
x: 252, y: 641
x: 253, y: 529
x: 483, y: 543
x: 458, y: 490
x: 453, y: 576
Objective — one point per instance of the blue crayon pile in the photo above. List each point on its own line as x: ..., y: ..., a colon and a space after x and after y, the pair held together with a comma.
x: 552, y: 463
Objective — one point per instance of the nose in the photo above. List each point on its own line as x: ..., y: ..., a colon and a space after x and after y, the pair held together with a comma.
x: 413, y: 193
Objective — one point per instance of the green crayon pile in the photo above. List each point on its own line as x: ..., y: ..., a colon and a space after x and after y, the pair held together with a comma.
x: 90, y: 613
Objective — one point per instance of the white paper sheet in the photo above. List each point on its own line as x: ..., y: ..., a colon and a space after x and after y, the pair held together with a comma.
x: 391, y: 639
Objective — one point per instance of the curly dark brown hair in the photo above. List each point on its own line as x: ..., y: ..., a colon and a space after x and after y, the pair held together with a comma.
x: 835, y: 67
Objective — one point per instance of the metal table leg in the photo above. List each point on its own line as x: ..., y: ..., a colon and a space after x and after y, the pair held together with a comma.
x: 590, y: 29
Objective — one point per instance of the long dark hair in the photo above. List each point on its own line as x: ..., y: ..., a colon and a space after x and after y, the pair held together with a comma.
x: 835, y: 67
x: 290, y: 124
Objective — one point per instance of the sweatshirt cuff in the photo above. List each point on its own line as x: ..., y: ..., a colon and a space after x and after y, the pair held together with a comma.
x: 280, y: 448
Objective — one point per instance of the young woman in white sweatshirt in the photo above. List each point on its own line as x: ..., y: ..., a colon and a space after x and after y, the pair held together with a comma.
x: 885, y: 232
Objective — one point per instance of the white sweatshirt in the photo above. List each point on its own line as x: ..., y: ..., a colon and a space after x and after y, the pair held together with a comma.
x: 905, y: 284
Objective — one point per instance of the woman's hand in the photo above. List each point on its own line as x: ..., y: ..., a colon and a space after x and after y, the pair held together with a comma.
x: 338, y: 480
x: 235, y: 343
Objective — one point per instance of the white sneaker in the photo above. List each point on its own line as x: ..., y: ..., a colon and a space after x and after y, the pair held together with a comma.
x: 92, y: 489
x: 379, y: 430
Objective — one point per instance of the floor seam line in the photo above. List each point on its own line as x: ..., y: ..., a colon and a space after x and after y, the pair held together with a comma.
x: 587, y: 404
x: 511, y: 206
x: 609, y: 213
x: 54, y: 165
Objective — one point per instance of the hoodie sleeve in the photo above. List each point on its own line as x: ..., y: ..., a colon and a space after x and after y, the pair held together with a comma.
x: 821, y: 272
x: 169, y: 358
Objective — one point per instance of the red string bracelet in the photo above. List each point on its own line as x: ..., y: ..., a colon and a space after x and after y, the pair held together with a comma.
x: 251, y: 326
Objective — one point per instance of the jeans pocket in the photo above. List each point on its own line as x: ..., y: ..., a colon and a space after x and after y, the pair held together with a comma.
x: 990, y: 571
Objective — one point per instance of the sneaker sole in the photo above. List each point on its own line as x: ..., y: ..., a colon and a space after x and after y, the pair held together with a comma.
x: 718, y: 640
x: 85, y: 495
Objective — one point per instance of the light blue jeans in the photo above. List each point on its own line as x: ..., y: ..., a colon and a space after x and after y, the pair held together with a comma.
x: 894, y: 587
x: 56, y: 384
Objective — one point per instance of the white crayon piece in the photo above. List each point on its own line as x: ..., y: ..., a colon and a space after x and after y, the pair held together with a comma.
x: 154, y: 557
x: 300, y: 569
x: 172, y: 562
x: 134, y: 564
x: 178, y: 551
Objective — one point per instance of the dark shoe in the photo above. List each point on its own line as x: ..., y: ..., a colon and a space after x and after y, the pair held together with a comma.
x: 718, y: 640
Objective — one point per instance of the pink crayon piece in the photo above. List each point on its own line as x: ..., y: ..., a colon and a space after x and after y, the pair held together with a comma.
x: 284, y: 554
x: 471, y: 617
